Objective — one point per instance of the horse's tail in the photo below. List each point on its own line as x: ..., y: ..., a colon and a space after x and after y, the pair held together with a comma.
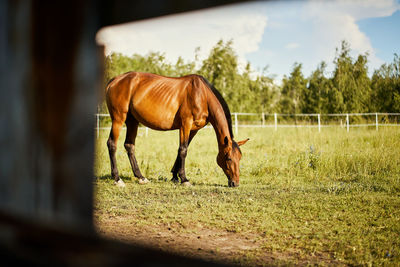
x: 113, y: 78
x: 109, y: 81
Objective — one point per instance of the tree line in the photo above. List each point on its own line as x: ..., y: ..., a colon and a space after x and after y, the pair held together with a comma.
x: 348, y: 89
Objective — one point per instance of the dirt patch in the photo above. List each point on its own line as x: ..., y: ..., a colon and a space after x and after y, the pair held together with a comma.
x: 200, y: 243
x: 213, y: 245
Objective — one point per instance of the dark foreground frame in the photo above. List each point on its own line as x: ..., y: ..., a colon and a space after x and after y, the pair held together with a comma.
x: 50, y: 81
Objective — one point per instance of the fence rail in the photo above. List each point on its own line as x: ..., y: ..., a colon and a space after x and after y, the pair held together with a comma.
x: 283, y: 123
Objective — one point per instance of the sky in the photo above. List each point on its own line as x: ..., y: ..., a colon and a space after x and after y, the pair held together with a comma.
x: 272, y: 34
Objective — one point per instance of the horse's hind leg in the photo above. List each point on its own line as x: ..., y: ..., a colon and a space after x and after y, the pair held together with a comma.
x: 131, y: 133
x: 112, y: 148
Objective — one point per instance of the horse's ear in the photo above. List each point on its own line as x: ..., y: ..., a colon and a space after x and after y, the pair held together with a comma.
x: 243, y: 142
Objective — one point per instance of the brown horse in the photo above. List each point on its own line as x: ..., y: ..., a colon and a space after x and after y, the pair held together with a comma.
x: 162, y: 103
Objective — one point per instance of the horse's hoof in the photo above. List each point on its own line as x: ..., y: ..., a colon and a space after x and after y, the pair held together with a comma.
x: 187, y: 183
x: 120, y: 183
x: 175, y: 180
x: 143, y: 181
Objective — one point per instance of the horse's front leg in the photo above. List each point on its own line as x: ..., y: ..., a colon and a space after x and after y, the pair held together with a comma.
x: 184, y: 134
x: 175, y: 169
x: 182, y: 155
x: 178, y: 162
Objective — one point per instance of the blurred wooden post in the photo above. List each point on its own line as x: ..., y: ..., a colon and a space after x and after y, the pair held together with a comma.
x: 50, y: 77
x: 376, y: 120
x: 347, y: 122
x: 49, y: 81
x: 276, y: 121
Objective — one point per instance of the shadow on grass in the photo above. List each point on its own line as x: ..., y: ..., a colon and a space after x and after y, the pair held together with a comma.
x: 108, y: 177
x: 159, y: 180
x: 201, y: 184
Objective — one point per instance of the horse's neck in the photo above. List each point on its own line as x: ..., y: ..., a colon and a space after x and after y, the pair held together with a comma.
x: 218, y: 120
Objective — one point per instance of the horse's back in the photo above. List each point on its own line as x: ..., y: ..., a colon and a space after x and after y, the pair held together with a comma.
x: 157, y: 101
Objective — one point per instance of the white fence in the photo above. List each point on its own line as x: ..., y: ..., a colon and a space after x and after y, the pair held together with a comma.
x: 276, y: 120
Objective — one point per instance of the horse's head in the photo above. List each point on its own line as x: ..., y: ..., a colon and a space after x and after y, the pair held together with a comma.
x: 228, y: 159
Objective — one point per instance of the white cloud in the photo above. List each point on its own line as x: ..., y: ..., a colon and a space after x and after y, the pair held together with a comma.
x: 334, y: 21
x: 291, y: 46
x: 306, y: 32
x: 361, y: 9
x: 179, y: 35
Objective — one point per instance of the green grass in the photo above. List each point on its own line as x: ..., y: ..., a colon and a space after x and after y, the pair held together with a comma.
x: 333, y: 196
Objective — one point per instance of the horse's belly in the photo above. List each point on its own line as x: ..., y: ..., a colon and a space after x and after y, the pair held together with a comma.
x: 160, y: 116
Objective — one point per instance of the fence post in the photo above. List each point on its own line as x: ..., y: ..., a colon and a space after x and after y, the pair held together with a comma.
x: 376, y: 120
x: 236, y: 123
x: 319, y: 122
x: 276, y: 121
x: 347, y: 122
x: 97, y: 124
x: 147, y: 131
x: 263, y: 120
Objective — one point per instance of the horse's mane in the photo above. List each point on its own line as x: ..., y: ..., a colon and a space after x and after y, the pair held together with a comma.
x: 223, y: 104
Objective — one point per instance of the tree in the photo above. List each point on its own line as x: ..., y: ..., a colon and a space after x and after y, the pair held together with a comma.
x: 316, y: 95
x: 257, y: 92
x: 220, y: 69
x: 181, y: 68
x: 153, y: 62
x: 266, y: 92
x: 348, y: 90
x: 362, y: 94
x: 244, y: 92
x: 292, y: 90
x: 350, y: 83
x: 386, y: 87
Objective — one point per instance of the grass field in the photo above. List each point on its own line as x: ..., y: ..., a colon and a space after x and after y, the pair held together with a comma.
x: 304, y: 197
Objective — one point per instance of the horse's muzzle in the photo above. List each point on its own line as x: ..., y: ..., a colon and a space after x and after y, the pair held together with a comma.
x: 233, y: 184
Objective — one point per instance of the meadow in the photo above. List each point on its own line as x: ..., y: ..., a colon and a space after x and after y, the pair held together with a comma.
x: 328, y: 198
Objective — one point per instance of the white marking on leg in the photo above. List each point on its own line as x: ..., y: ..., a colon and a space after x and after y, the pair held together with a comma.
x: 187, y: 183
x: 143, y: 181
x: 120, y: 183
